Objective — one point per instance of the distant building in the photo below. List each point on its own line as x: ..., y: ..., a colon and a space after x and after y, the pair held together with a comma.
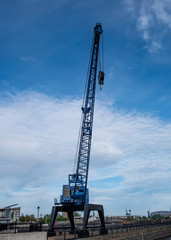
x: 161, y: 213
x: 15, y: 213
x: 9, y: 214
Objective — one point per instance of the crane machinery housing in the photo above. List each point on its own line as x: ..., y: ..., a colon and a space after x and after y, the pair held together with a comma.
x: 75, y: 195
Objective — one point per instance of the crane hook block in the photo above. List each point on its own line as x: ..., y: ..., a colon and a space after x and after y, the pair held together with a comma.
x: 101, y: 79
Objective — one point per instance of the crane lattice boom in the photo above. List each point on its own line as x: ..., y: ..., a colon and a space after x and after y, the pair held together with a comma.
x: 76, y: 191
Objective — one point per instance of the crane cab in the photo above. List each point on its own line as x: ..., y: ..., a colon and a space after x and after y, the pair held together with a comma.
x: 101, y: 79
x: 72, y: 194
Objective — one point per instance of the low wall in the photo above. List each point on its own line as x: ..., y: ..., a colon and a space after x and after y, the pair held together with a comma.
x: 24, y: 236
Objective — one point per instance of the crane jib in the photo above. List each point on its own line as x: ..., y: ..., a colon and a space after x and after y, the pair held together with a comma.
x: 76, y: 191
x: 87, y: 123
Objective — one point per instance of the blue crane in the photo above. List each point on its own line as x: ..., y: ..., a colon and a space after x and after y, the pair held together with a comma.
x: 76, y: 192
x: 75, y: 195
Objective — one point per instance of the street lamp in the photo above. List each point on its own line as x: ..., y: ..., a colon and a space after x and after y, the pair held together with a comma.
x: 38, y: 208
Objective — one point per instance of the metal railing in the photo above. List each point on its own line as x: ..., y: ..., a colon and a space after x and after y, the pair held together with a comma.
x: 21, y: 227
x: 62, y: 232
x: 94, y: 231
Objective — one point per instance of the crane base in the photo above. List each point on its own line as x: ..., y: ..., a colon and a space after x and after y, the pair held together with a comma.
x: 70, y: 209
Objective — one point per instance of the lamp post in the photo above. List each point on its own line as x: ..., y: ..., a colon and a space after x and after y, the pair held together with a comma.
x: 38, y: 208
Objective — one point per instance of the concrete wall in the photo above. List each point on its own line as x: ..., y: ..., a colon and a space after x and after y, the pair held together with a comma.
x: 24, y: 236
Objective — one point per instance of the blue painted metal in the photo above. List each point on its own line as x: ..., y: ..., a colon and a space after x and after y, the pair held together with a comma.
x: 76, y: 192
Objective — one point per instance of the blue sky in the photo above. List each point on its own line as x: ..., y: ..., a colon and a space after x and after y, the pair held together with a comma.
x: 44, y: 54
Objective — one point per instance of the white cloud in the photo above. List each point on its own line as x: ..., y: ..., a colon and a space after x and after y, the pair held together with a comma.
x: 162, y: 11
x: 38, y: 144
x: 153, y: 18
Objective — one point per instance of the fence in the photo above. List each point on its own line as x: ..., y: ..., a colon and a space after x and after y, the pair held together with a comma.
x: 21, y: 227
x: 62, y: 232
x: 94, y: 231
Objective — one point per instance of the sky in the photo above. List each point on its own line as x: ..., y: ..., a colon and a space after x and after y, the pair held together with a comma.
x: 44, y: 54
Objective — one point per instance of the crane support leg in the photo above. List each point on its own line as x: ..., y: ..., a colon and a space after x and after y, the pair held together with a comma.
x: 86, y: 208
x: 54, y: 213
x: 70, y: 210
x: 71, y: 219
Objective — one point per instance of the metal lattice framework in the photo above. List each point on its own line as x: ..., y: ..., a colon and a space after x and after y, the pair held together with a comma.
x: 88, y: 112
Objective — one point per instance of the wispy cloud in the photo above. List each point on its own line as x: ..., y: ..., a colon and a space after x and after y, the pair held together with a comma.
x: 27, y: 59
x: 153, y: 20
x: 38, y: 143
